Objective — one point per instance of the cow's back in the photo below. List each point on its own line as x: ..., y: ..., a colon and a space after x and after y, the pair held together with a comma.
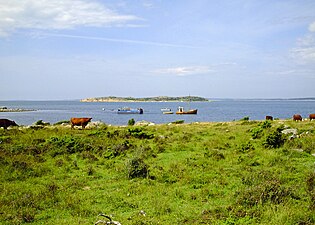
x: 297, y: 117
x: 5, y: 123
x: 269, y: 118
x: 79, y: 121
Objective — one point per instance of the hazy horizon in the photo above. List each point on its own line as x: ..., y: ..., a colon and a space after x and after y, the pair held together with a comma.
x: 75, y: 49
x: 214, y: 99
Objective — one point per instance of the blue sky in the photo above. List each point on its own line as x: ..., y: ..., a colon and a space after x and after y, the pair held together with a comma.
x: 73, y: 49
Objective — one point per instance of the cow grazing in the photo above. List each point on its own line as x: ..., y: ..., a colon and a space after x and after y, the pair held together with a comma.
x: 79, y: 122
x: 297, y: 117
x: 269, y: 118
x: 312, y: 116
x: 5, y: 123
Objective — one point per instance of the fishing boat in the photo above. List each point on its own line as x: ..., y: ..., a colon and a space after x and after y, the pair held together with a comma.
x: 128, y: 110
x: 167, y: 111
x: 189, y: 111
x: 182, y: 111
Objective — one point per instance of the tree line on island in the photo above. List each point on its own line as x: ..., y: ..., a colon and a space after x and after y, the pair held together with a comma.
x: 146, y: 99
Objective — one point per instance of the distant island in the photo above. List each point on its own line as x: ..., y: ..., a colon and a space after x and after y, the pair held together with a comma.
x: 6, y: 109
x: 147, y: 99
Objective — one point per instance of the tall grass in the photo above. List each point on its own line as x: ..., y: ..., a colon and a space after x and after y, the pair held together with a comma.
x: 243, y: 172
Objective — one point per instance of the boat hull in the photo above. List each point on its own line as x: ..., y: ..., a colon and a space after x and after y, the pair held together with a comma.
x: 191, y: 111
x: 130, y: 111
x: 170, y: 112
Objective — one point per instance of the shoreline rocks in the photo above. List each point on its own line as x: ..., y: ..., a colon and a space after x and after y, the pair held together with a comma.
x: 5, y: 109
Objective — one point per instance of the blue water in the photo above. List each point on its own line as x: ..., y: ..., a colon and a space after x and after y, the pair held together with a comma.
x: 219, y: 110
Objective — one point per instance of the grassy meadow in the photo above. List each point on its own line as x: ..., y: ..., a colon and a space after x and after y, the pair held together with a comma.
x: 242, y: 172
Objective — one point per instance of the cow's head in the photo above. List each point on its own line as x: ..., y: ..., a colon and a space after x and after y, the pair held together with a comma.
x: 13, y: 123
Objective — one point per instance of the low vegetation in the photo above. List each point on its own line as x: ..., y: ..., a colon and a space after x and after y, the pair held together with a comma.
x: 242, y: 172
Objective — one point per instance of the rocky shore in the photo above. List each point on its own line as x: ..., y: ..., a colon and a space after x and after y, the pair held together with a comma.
x: 5, y: 109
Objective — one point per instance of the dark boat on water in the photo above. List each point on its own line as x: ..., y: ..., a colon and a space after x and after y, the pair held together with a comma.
x: 181, y: 111
x: 127, y: 110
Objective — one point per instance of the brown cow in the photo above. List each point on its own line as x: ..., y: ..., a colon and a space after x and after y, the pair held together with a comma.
x: 79, y: 122
x: 312, y: 116
x: 269, y: 118
x: 297, y: 117
x: 5, y: 123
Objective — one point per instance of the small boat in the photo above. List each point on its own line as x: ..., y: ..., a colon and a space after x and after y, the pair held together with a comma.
x: 182, y: 111
x: 166, y: 111
x: 127, y: 110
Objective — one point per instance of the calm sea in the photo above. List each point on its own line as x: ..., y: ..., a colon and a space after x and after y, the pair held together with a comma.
x: 218, y: 110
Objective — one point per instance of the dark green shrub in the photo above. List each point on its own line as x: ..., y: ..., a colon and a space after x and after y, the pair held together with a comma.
x: 274, y: 139
x: 256, y: 132
x: 131, y: 122
x: 61, y: 122
x: 266, y: 124
x: 246, y: 147
x: 246, y: 118
x: 117, y: 150
x: 137, y: 168
x: 139, y: 133
x: 178, y: 122
x: 66, y: 144
x: 41, y: 123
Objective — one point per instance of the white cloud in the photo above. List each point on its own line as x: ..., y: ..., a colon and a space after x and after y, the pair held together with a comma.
x: 196, y: 70
x: 306, y: 54
x: 56, y: 14
x: 126, y: 41
x: 185, y: 70
x: 305, y: 50
x: 312, y: 27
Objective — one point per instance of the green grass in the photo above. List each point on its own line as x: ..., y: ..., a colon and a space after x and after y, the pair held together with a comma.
x: 243, y: 172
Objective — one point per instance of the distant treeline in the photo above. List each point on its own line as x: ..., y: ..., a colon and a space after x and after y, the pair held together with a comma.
x: 147, y: 99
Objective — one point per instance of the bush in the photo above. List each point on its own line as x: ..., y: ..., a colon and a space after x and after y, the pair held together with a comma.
x: 63, y: 121
x: 66, y: 144
x: 41, y: 123
x: 256, y: 132
x: 274, y: 139
x: 118, y: 149
x: 246, y: 118
x: 139, y: 133
x: 178, y: 122
x: 266, y: 124
x: 131, y: 122
x: 137, y: 168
